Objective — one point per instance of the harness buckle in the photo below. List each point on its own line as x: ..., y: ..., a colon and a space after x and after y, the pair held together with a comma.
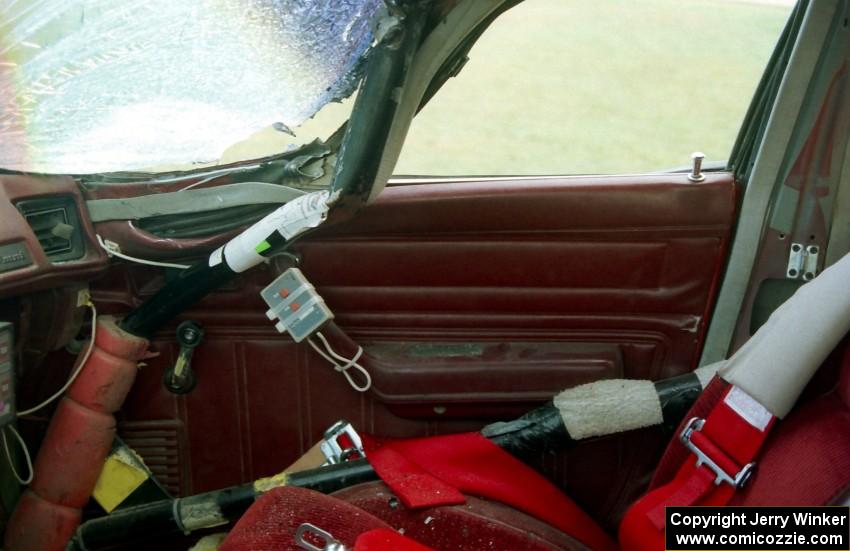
x: 738, y: 480
x: 341, y: 443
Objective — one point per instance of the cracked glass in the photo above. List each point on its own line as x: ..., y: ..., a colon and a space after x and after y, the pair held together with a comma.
x: 90, y: 86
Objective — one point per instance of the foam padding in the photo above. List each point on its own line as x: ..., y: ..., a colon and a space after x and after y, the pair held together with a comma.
x: 609, y: 407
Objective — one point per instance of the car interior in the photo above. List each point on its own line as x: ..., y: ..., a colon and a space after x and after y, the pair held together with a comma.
x: 306, y: 351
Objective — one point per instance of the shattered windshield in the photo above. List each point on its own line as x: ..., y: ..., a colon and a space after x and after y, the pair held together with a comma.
x: 92, y: 86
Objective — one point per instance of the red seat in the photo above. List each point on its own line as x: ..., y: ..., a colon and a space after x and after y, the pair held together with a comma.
x: 270, y: 523
x: 805, y: 461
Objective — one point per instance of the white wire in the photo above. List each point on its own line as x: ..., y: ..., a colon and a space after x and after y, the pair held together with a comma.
x: 27, y: 457
x: 348, y: 364
x: 60, y: 392
x: 331, y: 356
x: 77, y: 370
x: 112, y: 252
x: 344, y: 370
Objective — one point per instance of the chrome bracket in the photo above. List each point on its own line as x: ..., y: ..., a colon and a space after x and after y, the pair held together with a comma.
x: 335, y: 449
x: 738, y: 480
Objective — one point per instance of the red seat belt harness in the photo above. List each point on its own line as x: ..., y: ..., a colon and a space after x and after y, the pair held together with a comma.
x: 723, y: 449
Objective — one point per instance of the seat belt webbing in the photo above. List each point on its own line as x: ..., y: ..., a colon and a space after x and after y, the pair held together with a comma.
x: 723, y: 448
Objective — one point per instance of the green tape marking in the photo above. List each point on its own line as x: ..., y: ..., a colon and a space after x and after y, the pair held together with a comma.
x: 263, y: 246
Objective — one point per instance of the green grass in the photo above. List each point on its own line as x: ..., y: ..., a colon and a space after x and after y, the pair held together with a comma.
x: 597, y: 86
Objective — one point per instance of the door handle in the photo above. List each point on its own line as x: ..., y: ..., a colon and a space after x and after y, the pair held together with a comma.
x: 181, y: 378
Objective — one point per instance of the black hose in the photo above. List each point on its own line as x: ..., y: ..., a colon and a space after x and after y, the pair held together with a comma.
x: 540, y: 430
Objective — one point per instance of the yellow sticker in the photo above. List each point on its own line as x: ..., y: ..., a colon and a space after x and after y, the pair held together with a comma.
x: 118, y: 479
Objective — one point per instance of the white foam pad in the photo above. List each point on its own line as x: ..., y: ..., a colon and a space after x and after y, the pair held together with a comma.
x: 608, y: 407
x: 777, y: 362
x: 615, y: 405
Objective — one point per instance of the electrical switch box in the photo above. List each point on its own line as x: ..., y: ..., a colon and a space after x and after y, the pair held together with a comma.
x: 7, y: 374
x: 294, y: 302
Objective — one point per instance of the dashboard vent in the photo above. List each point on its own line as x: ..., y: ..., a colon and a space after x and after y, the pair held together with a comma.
x: 56, y: 225
x: 42, y: 223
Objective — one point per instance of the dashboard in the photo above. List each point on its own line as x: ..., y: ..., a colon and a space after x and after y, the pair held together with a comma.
x: 46, y: 239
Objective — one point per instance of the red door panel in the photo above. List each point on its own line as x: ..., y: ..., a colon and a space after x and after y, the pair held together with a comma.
x: 628, y: 261
x: 475, y: 300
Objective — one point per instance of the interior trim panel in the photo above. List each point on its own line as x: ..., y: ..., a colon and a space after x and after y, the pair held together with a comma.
x: 474, y: 301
